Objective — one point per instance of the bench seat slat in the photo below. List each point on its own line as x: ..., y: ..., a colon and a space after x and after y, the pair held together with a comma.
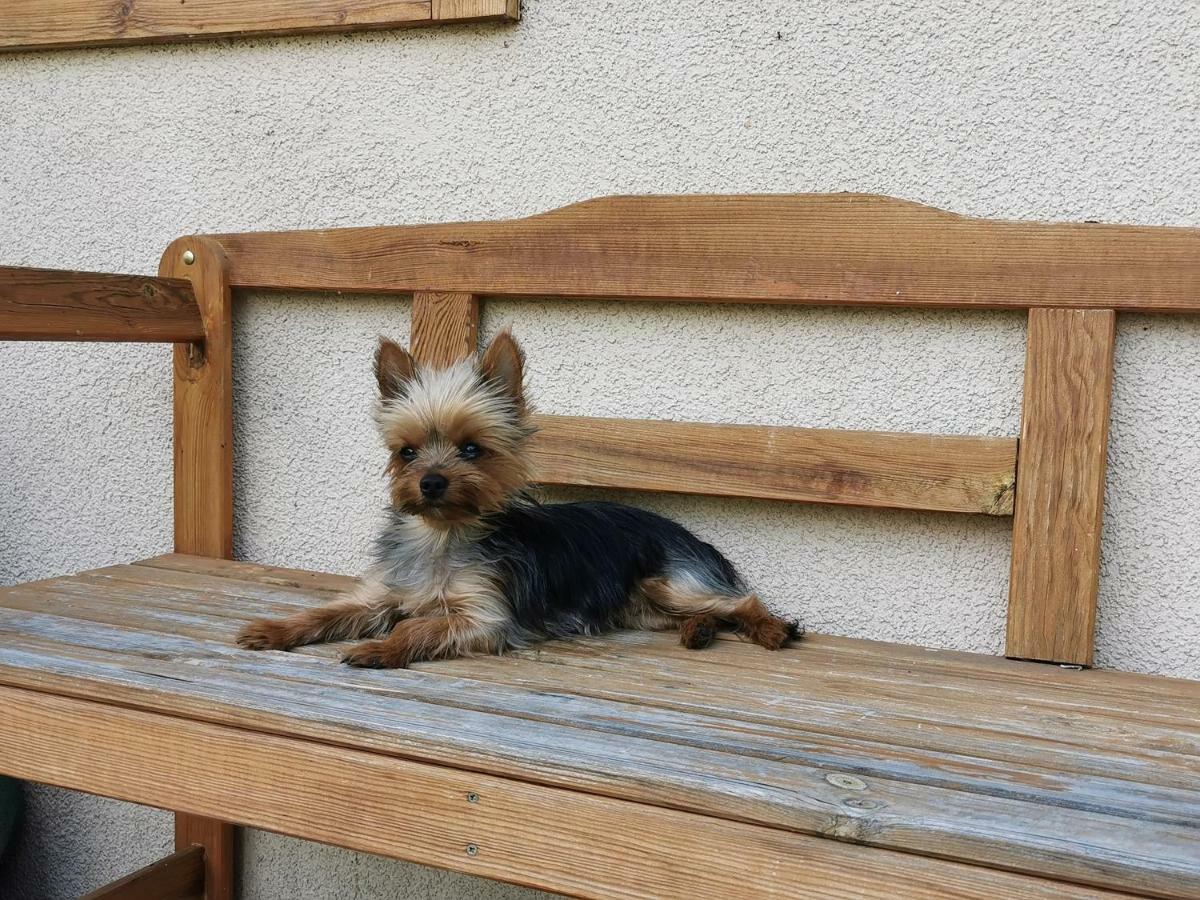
x: 583, y: 845
x: 820, y: 674
x: 1103, y: 849
x: 831, y: 689
x: 623, y: 713
x: 629, y: 716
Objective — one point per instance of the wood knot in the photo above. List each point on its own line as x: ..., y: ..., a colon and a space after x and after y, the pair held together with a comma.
x: 851, y: 829
x: 1000, y: 501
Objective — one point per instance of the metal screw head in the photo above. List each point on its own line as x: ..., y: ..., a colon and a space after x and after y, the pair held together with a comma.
x: 472, y: 797
x: 846, y: 782
x: 188, y: 257
x: 472, y: 849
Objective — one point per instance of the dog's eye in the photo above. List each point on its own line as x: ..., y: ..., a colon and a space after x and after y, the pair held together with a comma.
x: 408, y: 454
x: 470, y: 450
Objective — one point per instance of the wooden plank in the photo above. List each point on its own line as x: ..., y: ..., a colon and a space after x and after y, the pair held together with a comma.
x: 362, y: 710
x: 51, y: 305
x: 445, y: 327
x: 476, y: 10
x: 529, y: 834
x: 1060, y: 501
x: 954, y: 711
x: 840, y: 249
x: 910, y: 471
x: 1090, y: 769
x: 203, y: 487
x: 52, y: 24
x: 950, y: 711
x: 217, y: 842
x: 179, y: 876
x: 679, y: 711
x: 204, y: 406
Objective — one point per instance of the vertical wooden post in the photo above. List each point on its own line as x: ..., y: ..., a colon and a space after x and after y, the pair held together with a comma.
x: 445, y: 327
x: 1060, y: 485
x: 204, y: 478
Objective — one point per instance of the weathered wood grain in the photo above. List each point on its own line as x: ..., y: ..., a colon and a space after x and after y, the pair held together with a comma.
x: 52, y: 24
x: 51, y: 305
x: 676, y: 711
x: 203, y: 484
x: 1055, y: 579
x: 445, y: 327
x: 639, y: 722
x: 179, y: 876
x: 910, y: 471
x: 544, y: 837
x: 829, y: 249
x: 854, y: 814
x: 745, y: 683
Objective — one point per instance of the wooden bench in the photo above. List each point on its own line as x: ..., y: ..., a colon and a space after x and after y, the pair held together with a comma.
x: 625, y: 766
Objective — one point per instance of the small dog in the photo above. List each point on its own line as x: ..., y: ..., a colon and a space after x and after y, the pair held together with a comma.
x: 470, y: 563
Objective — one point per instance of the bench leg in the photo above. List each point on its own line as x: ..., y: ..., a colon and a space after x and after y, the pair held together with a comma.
x: 178, y: 877
x: 217, y: 839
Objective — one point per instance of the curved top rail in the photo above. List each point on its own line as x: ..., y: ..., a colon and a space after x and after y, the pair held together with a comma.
x: 839, y: 249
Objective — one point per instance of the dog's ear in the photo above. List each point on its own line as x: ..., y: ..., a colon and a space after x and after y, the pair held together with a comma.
x: 503, y: 362
x: 394, y: 369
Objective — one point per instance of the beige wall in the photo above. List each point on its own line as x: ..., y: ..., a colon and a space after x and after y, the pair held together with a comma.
x: 1071, y: 110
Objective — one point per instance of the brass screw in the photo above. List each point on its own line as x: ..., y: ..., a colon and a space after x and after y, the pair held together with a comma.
x: 188, y: 257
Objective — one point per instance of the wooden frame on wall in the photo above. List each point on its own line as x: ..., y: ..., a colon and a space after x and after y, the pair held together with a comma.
x: 59, y: 24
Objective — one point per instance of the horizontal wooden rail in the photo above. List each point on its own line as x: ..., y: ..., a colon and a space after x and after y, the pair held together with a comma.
x: 50, y: 305
x: 49, y: 24
x: 859, y: 468
x: 559, y: 840
x: 840, y: 249
x: 179, y: 876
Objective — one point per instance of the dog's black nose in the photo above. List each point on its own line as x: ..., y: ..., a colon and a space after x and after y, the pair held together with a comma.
x: 433, y: 486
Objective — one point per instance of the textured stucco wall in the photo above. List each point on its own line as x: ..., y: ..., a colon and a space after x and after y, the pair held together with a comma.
x: 1074, y: 110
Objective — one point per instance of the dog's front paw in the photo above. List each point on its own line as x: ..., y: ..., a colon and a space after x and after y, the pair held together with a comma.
x: 266, y: 634
x: 375, y: 655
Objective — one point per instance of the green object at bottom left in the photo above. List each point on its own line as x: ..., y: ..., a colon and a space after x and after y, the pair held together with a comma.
x: 11, y: 800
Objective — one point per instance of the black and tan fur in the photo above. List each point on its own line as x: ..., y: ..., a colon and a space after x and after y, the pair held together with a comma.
x: 469, y: 562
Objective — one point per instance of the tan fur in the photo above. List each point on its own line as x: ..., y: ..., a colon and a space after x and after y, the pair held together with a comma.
x: 343, y: 620
x: 438, y: 605
x: 696, y: 611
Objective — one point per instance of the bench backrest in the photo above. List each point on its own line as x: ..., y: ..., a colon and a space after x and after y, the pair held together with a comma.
x: 840, y: 249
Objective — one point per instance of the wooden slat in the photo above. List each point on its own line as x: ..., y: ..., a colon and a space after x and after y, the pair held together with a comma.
x: 50, y: 305
x: 806, y: 249
x: 909, y: 471
x: 529, y: 834
x: 1060, y: 498
x: 1111, y: 761
x: 178, y: 877
x: 44, y: 24
x: 203, y: 486
x: 445, y: 327
x: 546, y: 736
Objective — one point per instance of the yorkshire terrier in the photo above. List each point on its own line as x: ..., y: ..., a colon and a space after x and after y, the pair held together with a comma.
x: 469, y: 562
